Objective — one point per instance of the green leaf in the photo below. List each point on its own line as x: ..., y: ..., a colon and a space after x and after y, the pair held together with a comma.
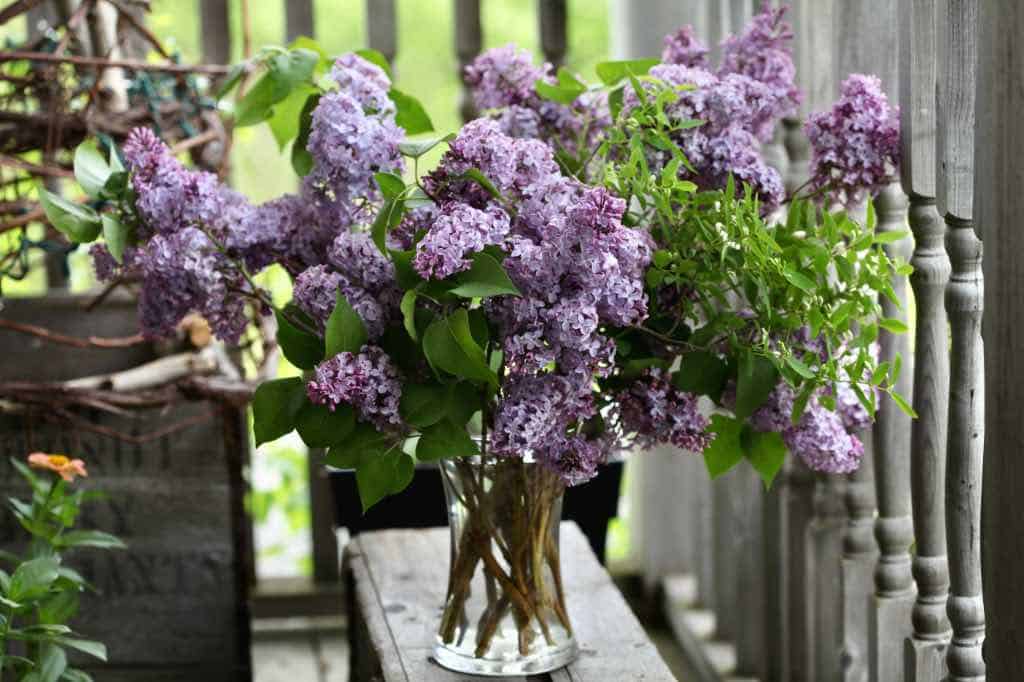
x: 415, y: 149
x: 390, y: 184
x: 302, y: 160
x: 888, y: 237
x: 893, y: 325
x: 33, y: 578
x: 408, y: 308
x: 389, y: 216
x: 296, y: 66
x: 410, y: 114
x: 382, y: 475
x: 902, y: 403
x: 275, y: 405
x: 422, y: 405
x: 800, y: 367
x: 446, y: 352
x: 91, y: 169
x: 59, y: 608
x: 561, y: 93
x: 286, y: 121
x: 321, y: 427
x: 302, y: 348
x: 86, y: 646
x: 461, y: 402
x: 445, y: 440
x: 612, y: 72
x: 476, y: 175
x: 364, y: 441
x: 703, y: 373
x: 231, y: 80
x: 79, y: 223
x: 345, y: 331
x: 766, y: 452
x: 485, y: 277
x: 615, y: 102
x: 726, y: 450
x: 375, y: 57
x: 89, y: 538
x: 257, y: 104
x: 115, y: 233
x: 757, y: 377
x: 52, y: 663
x: 799, y: 280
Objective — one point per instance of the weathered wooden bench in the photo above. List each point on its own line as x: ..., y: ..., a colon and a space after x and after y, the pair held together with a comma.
x: 396, y: 581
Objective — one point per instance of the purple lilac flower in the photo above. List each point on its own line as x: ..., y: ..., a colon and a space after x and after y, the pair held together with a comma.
x: 657, y: 412
x: 368, y: 381
x: 822, y: 442
x: 503, y: 76
x: 575, y: 460
x: 315, y: 292
x: 776, y: 414
x: 855, y: 147
x: 181, y: 273
x: 364, y: 81
x: 458, y: 232
x: 535, y: 411
x: 764, y: 53
x: 684, y: 48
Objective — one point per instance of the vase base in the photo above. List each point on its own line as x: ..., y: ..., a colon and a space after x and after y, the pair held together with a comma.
x: 503, y: 659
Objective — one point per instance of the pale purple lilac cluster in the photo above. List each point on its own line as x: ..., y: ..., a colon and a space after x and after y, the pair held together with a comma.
x: 683, y: 47
x: 658, y: 412
x: 458, y: 232
x: 367, y: 380
x: 855, y: 146
x: 502, y: 81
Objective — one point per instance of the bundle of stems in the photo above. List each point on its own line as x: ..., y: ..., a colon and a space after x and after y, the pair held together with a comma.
x: 509, y: 532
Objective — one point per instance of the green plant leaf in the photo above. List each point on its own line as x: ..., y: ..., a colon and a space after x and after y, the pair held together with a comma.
x: 408, y: 308
x: 275, y: 406
x: 59, y: 607
x: 321, y: 427
x: 86, y: 646
x: 286, y: 121
x: 757, y: 377
x: 766, y: 453
x: 302, y: 348
x: 902, y: 403
x: 461, y: 402
x: 446, y: 352
x: 231, y: 80
x: 91, y: 169
x: 800, y: 367
x: 345, y: 331
x: 422, y: 405
x: 417, y: 148
x: 387, y: 218
x: 79, y: 223
x: 33, y: 578
x: 52, y: 663
x: 257, y: 104
x: 115, y: 233
x: 726, y: 450
x: 364, y: 441
x: 485, y: 277
x: 799, y: 280
x: 382, y: 475
x: 703, y: 373
x: 390, y: 184
x: 563, y: 94
x: 477, y: 176
x: 445, y: 440
x: 611, y: 73
x: 302, y: 160
x: 410, y: 114
x: 89, y: 538
x: 893, y: 325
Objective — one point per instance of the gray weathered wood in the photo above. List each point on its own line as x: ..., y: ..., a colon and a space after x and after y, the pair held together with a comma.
x: 637, y: 29
x: 894, y: 584
x: 956, y: 115
x: 750, y: 597
x: 740, y: 12
x: 553, y: 20
x: 670, y: 538
x: 215, y: 31
x: 860, y: 553
x: 997, y: 207
x: 795, y: 571
x: 468, y: 41
x: 777, y: 558
x: 298, y: 19
x: 926, y: 649
x: 398, y: 587
x: 382, y: 27
x: 824, y: 606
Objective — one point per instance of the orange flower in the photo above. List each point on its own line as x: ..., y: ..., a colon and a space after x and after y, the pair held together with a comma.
x: 59, y: 464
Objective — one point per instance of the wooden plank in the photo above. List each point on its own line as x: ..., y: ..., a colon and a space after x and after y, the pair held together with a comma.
x: 637, y: 29
x: 751, y: 653
x: 382, y: 27
x: 860, y: 553
x: 669, y: 538
x: 468, y: 41
x: 215, y: 31
x: 917, y: 82
x: 399, y: 588
x: 964, y: 299
x: 553, y: 20
x: 298, y: 19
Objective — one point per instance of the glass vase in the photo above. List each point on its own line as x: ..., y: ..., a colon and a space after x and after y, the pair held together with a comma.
x: 504, y: 613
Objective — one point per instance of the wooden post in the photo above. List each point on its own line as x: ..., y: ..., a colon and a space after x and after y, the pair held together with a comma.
x: 215, y: 31
x: 382, y: 28
x: 468, y: 41
x: 955, y: 164
x: 926, y: 648
x: 860, y: 553
x: 551, y: 15
x: 298, y: 19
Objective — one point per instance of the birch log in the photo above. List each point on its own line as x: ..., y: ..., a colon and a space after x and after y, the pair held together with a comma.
x: 955, y: 166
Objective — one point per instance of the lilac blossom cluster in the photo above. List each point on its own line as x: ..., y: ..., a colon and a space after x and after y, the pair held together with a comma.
x: 855, y: 146
x: 503, y: 83
x: 657, y: 412
x: 367, y: 380
x: 578, y: 269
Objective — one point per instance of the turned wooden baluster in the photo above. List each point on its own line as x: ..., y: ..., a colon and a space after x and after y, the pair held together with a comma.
x: 926, y: 648
x: 894, y: 531
x: 860, y: 553
x: 382, y: 28
x: 552, y: 17
x: 298, y: 18
x: 955, y: 164
x: 468, y: 41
